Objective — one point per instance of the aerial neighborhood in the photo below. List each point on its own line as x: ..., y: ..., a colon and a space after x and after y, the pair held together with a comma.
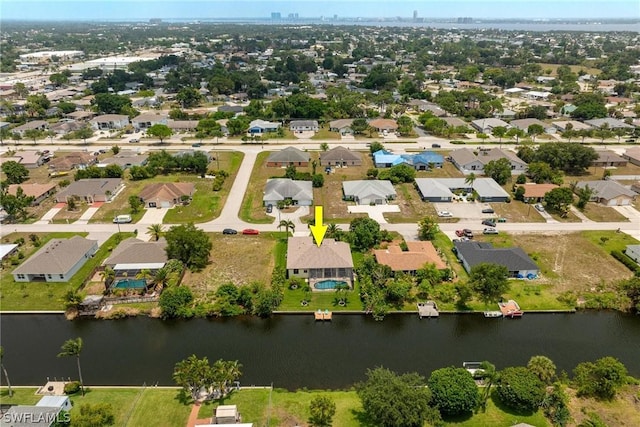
x: 218, y: 170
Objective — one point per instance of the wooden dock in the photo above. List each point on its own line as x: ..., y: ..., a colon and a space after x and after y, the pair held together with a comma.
x: 428, y: 309
x: 323, y: 315
x: 510, y: 309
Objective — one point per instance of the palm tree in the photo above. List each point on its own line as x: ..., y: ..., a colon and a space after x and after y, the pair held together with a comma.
x: 292, y: 226
x: 73, y: 348
x: 161, y: 277
x: 4, y: 371
x: 144, y: 274
x: 156, y: 231
x: 490, y: 377
x: 108, y: 275
x: 332, y: 230
x: 283, y: 223
x: 471, y: 178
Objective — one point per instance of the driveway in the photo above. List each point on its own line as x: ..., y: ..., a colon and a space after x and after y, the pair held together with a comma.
x: 630, y: 213
x: 375, y: 212
x: 305, y: 134
x: 89, y: 213
x: 153, y: 216
x: 465, y: 210
x: 47, y: 217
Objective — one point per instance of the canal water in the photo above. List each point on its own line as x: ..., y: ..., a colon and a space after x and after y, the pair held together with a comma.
x: 294, y: 351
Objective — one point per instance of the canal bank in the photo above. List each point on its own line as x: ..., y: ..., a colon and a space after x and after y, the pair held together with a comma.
x: 296, y: 351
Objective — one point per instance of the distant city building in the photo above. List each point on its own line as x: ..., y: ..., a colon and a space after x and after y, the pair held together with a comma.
x: 415, y: 15
x: 276, y: 15
x: 465, y: 20
x: 155, y: 21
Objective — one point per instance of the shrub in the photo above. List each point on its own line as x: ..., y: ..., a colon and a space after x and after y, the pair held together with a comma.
x: 72, y: 387
x: 628, y: 262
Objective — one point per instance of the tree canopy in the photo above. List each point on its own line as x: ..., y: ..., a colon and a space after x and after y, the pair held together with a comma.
x: 600, y: 379
x: 15, y: 172
x: 188, y: 244
x: 453, y: 391
x: 520, y: 389
x: 489, y: 281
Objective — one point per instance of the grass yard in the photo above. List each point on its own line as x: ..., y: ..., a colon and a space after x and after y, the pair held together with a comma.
x: 624, y: 410
x: 320, y: 300
x: 237, y: 259
x: 252, y: 209
x: 412, y: 208
x: 600, y: 213
x: 47, y: 296
x: 574, y: 68
x: 448, y: 170
x: 574, y: 262
x: 517, y: 212
x: 160, y: 405
x: 66, y: 216
x: 324, y: 133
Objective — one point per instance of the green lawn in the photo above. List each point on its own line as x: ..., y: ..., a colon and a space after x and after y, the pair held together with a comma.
x: 159, y: 407
x: 610, y: 240
x: 324, y: 134
x: 48, y: 296
x: 252, y: 210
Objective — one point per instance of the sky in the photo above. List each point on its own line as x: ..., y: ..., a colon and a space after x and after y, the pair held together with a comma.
x: 127, y: 10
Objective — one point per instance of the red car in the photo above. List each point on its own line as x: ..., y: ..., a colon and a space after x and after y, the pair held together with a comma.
x: 459, y: 233
x: 250, y: 231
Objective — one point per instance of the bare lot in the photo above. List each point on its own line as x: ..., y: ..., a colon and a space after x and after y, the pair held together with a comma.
x: 237, y: 259
x: 600, y: 213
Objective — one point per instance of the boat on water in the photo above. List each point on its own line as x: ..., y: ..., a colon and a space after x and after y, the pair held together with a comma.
x: 492, y: 314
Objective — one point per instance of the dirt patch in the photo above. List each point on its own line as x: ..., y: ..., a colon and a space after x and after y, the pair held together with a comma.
x: 622, y: 411
x: 237, y: 259
x: 572, y: 262
x: 286, y: 419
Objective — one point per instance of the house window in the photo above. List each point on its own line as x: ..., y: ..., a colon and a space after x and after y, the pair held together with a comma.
x: 61, y: 276
x: 21, y: 276
x: 49, y: 276
x: 304, y: 271
x: 296, y: 271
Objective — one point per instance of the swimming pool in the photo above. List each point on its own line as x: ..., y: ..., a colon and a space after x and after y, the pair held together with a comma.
x: 328, y: 284
x: 130, y: 284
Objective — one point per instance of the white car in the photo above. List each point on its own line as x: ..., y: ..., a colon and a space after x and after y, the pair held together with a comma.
x: 489, y: 230
x: 539, y: 207
x: 445, y: 214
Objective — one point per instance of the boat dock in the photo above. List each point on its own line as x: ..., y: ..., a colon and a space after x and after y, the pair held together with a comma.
x: 323, y: 315
x: 510, y: 309
x: 428, y: 309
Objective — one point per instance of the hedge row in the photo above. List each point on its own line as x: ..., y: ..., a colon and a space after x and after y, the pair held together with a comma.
x: 628, y: 262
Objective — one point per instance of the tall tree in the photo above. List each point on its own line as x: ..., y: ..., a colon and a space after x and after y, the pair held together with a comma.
x: 453, y: 391
x: 156, y: 231
x: 489, y: 281
x: 520, y: 389
x: 15, y: 172
x: 188, y: 244
x: 600, y: 379
x: 543, y: 368
x: 160, y: 131
x: 470, y: 179
x: 559, y: 200
x: 499, y: 170
x: 322, y: 410
x: 193, y: 375
x: 428, y: 228
x: 73, y: 348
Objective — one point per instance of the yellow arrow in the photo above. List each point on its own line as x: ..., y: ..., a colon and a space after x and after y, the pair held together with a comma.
x: 318, y: 230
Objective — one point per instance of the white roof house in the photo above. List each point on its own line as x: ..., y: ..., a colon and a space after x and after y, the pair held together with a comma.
x: 366, y: 192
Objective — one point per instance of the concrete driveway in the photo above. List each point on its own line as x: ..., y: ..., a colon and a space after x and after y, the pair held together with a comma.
x: 153, y: 216
x: 89, y: 213
x: 48, y: 216
x: 465, y: 210
x: 375, y: 212
x: 630, y: 213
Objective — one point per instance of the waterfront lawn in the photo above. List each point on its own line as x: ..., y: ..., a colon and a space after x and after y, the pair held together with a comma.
x: 237, y: 259
x: 163, y: 406
x: 25, y: 296
x: 21, y: 396
x: 498, y: 415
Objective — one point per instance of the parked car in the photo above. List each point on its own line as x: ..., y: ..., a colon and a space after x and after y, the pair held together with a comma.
x: 468, y: 233
x: 134, y: 140
x: 445, y: 214
x: 490, y: 230
x: 489, y: 223
x: 269, y: 208
x: 122, y: 219
x: 435, y: 145
x: 459, y: 233
x: 229, y: 231
x: 539, y: 207
x: 197, y: 144
x: 250, y: 231
x: 488, y: 211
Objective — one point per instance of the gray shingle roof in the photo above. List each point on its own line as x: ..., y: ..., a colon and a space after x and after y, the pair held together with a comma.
x: 303, y: 253
x: 606, y: 189
x: 136, y: 251
x: 289, y: 154
x: 485, y: 187
x: 339, y: 153
x: 285, y: 188
x: 515, y: 259
x: 57, y: 256
x: 91, y: 186
x: 368, y: 189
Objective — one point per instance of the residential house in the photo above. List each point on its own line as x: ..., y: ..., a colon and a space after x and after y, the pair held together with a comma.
x: 63, y: 128
x: 505, y: 114
x: 442, y: 189
x: 609, y: 123
x: 636, y: 187
x: 298, y: 126
x: 166, y: 194
x: 523, y: 125
x: 633, y: 155
x: 422, y: 106
x: 125, y: 159
x: 40, y: 125
x: 182, y: 125
x: 39, y: 192
x: 330, y: 261
x: 80, y: 116
x: 386, y: 159
x: 633, y: 252
x: 562, y: 125
x: 289, y: 156
x: 56, y: 261
x: 426, y: 160
x: 28, y: 159
x: 518, y: 263
x: 340, y: 156
x: 110, y: 122
x: 608, y: 158
x: 236, y: 109
x: 417, y: 255
x: 534, y: 193
x: 278, y: 189
x: 7, y: 249
x: 133, y: 255
x: 537, y: 95
x: 62, y: 402
x: 567, y: 109
x: 258, y: 127
x: 455, y: 121
x: 609, y: 192
x: 91, y: 190
x: 146, y: 120
x: 468, y: 162
x: 384, y: 125
x: 368, y: 192
x: 75, y: 160
x: 342, y: 126
x: 487, y: 125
